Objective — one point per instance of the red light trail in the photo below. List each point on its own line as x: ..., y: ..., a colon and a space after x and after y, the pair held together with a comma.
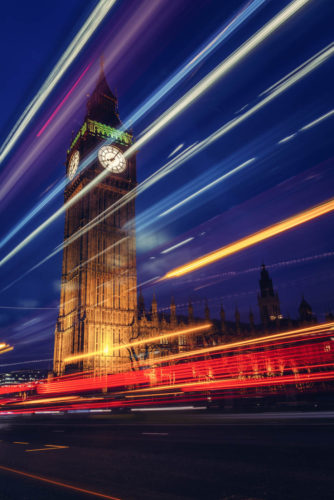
x: 297, y: 358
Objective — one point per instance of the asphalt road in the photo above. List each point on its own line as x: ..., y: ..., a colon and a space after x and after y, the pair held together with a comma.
x: 169, y: 456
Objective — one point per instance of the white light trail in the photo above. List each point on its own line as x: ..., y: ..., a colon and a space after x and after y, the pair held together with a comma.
x: 26, y: 362
x: 97, y: 255
x: 217, y: 278
x: 184, y: 242
x: 27, y: 218
x: 140, y: 18
x: 180, y: 146
x: 318, y: 120
x: 72, y: 51
x: 307, y: 68
x: 208, y: 186
x: 155, y: 278
x: 196, y: 59
x: 293, y: 72
x: 286, y: 139
x: 223, y: 68
x: 191, y: 96
x: 143, y: 186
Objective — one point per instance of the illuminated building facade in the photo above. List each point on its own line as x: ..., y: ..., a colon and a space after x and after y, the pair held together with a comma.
x: 99, y: 314
x: 98, y: 299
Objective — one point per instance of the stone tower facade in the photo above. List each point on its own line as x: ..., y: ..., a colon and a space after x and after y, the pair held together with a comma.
x: 98, y: 303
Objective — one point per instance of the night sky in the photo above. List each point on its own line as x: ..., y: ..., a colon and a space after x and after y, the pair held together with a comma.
x: 144, y: 42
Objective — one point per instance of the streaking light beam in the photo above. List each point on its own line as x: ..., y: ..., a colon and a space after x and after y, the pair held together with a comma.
x: 184, y: 242
x: 284, y: 84
x: 287, y: 138
x: 252, y: 239
x: 78, y: 42
x: 223, y: 68
x: 318, y: 120
x: 196, y: 59
x: 205, y: 188
x: 107, y: 351
x: 63, y: 101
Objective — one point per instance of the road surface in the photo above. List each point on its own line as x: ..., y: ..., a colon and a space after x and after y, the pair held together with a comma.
x: 168, y: 456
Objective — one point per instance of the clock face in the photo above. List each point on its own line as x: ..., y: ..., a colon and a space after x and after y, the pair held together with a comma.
x: 73, y: 164
x: 112, y: 159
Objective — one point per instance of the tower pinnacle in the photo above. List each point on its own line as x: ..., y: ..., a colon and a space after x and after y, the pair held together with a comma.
x: 102, y: 105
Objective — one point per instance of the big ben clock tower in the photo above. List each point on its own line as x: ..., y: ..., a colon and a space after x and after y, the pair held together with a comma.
x: 98, y: 299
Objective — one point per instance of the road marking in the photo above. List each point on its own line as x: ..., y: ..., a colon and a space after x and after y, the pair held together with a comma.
x: 21, y: 442
x: 155, y: 433
x: 58, y: 483
x: 49, y: 447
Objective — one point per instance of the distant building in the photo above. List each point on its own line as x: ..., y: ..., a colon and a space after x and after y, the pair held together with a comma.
x: 305, y: 312
x: 22, y: 376
x: 151, y: 323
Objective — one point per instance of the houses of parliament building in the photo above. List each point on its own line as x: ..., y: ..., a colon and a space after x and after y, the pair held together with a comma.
x: 100, y: 314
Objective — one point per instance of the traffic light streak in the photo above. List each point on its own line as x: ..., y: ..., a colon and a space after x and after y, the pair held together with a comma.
x: 252, y: 239
x: 107, y: 350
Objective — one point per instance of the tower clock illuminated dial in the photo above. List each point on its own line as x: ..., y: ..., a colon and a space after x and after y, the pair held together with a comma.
x: 73, y: 164
x: 112, y: 159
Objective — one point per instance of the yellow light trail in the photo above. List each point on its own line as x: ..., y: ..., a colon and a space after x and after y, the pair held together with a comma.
x: 223, y: 68
x: 48, y: 400
x: 72, y: 51
x: 106, y: 351
x: 49, y: 447
x: 57, y: 483
x: 5, y: 348
x: 55, y: 400
x: 242, y: 343
x: 252, y: 239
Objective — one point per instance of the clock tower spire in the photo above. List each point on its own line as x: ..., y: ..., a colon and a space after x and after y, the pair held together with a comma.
x: 102, y: 105
x: 98, y: 300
